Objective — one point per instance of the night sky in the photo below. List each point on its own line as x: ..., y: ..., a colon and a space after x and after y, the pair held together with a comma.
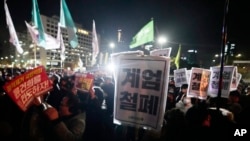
x: 196, y: 24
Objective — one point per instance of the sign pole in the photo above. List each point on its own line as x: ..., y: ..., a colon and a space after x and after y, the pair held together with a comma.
x: 224, y: 42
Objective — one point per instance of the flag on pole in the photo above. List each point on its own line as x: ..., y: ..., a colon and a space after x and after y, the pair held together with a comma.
x: 49, y: 42
x: 145, y: 35
x: 80, y: 63
x: 67, y: 22
x: 36, y: 19
x: 37, y: 33
x: 13, y: 36
x: 62, y: 46
x: 95, y: 45
x: 178, y: 57
x: 33, y: 33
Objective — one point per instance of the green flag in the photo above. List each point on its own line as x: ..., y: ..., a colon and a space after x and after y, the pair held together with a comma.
x: 145, y: 35
x: 67, y: 22
x: 177, y: 58
x: 36, y: 19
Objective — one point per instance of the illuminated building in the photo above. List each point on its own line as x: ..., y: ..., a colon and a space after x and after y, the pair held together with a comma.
x: 51, y: 58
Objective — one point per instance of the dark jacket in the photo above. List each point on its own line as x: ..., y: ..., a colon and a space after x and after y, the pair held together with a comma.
x: 71, y: 128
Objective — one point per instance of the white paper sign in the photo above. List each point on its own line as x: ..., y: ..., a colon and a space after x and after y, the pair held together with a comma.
x: 141, y: 90
x: 161, y: 52
x: 234, y: 83
x: 180, y: 77
x: 226, y: 81
x: 198, y: 84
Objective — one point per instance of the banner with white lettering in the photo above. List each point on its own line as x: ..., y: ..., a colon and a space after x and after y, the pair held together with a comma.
x: 226, y: 81
x: 24, y: 88
x: 198, y: 84
x: 141, y: 90
x: 161, y: 52
x: 180, y: 77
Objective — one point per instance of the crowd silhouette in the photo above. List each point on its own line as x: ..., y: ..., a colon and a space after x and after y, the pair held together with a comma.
x: 68, y: 114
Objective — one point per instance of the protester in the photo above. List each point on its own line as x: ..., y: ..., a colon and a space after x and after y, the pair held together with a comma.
x: 42, y: 122
x: 182, y: 101
x: 109, y: 88
x: 94, y: 117
x: 55, y: 95
x: 171, y: 96
x: 182, y: 92
x: 71, y: 114
x: 67, y: 124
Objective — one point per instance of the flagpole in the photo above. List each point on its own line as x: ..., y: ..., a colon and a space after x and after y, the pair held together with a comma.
x: 61, y: 54
x: 61, y: 65
x: 224, y: 41
x: 61, y: 45
x: 58, y: 34
x: 35, y: 55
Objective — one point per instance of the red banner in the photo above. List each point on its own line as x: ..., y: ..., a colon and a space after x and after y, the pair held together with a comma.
x: 24, y: 88
x: 84, y: 82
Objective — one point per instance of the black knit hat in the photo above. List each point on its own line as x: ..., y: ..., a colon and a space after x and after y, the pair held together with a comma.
x: 184, y: 86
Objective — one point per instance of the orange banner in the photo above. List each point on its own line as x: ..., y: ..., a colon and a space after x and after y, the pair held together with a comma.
x: 84, y: 81
x: 24, y: 88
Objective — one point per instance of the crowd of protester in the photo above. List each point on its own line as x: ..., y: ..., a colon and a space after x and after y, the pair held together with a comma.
x: 67, y: 114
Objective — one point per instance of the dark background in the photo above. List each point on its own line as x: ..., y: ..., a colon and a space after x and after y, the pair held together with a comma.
x: 196, y: 24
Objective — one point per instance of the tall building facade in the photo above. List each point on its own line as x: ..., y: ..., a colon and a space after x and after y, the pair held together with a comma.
x: 192, y: 56
x: 21, y: 59
x: 51, y: 58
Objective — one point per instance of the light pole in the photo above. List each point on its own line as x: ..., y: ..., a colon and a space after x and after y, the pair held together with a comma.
x: 162, y: 40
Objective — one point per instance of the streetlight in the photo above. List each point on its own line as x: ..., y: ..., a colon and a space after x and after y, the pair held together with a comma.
x: 216, y: 55
x: 162, y: 40
x: 112, y: 46
x: 238, y: 55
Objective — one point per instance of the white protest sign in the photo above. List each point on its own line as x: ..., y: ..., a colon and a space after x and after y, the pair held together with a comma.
x: 226, y: 81
x: 198, y: 84
x: 161, y: 52
x: 141, y: 90
x: 180, y: 77
x: 114, y: 58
